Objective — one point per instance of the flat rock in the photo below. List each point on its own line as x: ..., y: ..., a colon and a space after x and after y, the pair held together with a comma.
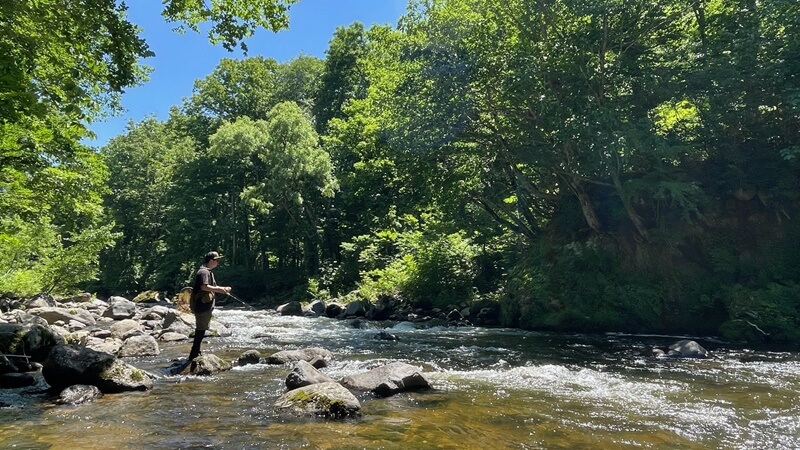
x: 306, y: 354
x: 388, y: 380
x: 144, y: 345
x: 171, y: 336
x: 54, y: 314
x: 209, y: 364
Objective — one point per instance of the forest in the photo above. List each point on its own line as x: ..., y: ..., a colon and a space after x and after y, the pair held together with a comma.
x: 591, y: 166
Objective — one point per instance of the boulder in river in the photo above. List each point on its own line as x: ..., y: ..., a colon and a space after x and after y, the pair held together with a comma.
x: 248, y: 357
x: 208, y: 365
x: 380, y: 311
x: 120, y: 308
x: 54, y: 314
x: 79, y: 394
x: 39, y: 301
x: 388, y: 380
x: 75, y: 364
x: 333, y: 310
x: 317, y: 307
x: 124, y: 328
x: 144, y: 345
x: 304, y: 374
x: 355, y: 308
x: 329, y: 400
x: 306, y: 354
x: 109, y: 345
x: 687, y: 349
x: 32, y: 340
x: 292, y: 308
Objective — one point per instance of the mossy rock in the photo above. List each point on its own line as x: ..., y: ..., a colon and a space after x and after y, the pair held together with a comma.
x: 147, y: 297
x: 329, y: 400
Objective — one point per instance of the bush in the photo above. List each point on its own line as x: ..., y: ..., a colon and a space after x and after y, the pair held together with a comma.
x: 428, y: 269
x: 391, y: 281
x: 443, y: 271
x: 770, y: 313
x: 581, y: 287
x: 40, y: 259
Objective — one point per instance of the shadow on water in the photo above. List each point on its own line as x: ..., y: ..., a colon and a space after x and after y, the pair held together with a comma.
x: 492, y: 388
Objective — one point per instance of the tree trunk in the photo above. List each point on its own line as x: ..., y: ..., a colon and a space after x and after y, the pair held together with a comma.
x: 586, y: 204
x: 629, y: 209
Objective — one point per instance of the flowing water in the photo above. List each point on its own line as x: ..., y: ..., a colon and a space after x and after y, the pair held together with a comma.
x: 492, y: 389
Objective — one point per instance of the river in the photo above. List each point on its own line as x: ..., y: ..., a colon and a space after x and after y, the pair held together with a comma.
x: 492, y: 389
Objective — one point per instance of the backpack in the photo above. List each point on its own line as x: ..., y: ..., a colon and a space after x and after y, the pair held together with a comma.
x: 200, y: 302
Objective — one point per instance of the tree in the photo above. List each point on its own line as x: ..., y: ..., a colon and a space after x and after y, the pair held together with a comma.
x: 250, y: 87
x: 143, y: 165
x: 64, y: 66
x: 559, y: 106
x: 342, y: 78
x: 298, y: 81
x: 53, y: 227
x: 232, y: 20
x: 297, y: 178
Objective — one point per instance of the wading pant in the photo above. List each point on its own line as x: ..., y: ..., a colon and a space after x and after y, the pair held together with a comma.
x: 198, y: 339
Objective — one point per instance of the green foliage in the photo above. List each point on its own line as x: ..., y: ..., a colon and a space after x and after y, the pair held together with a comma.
x: 391, y: 281
x: 40, y: 259
x: 769, y: 313
x: 424, y: 266
x: 232, y: 20
x: 298, y: 81
x: 582, y: 287
x: 63, y: 65
x: 342, y: 79
x: 143, y: 168
x: 248, y: 87
x: 76, y: 261
x: 443, y: 270
x: 596, y: 165
x: 52, y: 216
x: 23, y: 245
x: 297, y: 178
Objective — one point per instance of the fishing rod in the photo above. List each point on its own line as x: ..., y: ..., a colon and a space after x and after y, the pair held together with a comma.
x: 240, y: 300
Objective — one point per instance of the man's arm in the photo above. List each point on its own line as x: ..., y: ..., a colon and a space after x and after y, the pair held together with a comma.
x: 215, y: 289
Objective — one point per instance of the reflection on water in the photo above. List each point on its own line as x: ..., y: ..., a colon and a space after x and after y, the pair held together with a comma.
x: 493, y: 388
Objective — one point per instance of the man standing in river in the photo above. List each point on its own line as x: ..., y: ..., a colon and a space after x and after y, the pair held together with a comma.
x: 202, y: 301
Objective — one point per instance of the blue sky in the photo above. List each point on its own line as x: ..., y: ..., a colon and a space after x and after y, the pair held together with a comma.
x: 181, y: 59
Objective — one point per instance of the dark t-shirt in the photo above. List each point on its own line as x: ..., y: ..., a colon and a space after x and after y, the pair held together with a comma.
x: 203, y: 300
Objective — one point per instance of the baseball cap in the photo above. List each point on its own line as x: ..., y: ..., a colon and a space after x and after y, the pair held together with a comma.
x: 212, y: 255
